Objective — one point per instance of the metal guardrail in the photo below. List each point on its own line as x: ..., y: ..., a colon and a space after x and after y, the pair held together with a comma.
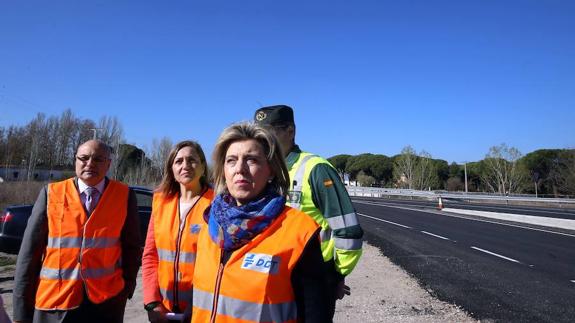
x: 434, y: 195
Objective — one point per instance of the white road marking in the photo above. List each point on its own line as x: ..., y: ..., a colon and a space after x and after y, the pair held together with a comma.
x: 573, y: 281
x: 496, y: 255
x: 378, y: 219
x: 435, y: 235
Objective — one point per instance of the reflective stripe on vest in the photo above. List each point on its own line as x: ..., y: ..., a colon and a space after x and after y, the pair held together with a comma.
x: 246, y: 311
x: 170, y: 256
x: 74, y: 273
x: 348, y: 244
x: 183, y: 295
x: 325, y: 235
x: 342, y: 221
x: 83, y: 255
x: 58, y: 242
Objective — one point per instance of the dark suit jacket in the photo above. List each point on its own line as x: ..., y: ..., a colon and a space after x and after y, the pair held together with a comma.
x: 34, y: 243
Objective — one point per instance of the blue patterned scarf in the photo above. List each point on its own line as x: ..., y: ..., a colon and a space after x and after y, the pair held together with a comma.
x: 231, y: 226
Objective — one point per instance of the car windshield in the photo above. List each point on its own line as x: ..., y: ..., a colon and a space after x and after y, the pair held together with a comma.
x: 144, y: 198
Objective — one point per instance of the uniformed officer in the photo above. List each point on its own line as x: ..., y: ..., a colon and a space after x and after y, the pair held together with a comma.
x: 317, y: 190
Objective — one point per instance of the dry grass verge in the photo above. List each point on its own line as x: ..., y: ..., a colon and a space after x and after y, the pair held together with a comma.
x: 19, y: 192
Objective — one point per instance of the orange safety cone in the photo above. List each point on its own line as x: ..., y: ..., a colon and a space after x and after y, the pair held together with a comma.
x: 439, y: 204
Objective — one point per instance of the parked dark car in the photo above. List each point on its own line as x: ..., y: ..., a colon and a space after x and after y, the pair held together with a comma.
x: 144, y: 197
x: 13, y: 221
x: 14, y: 218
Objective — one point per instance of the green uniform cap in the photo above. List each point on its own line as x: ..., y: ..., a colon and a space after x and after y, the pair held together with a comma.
x: 274, y: 115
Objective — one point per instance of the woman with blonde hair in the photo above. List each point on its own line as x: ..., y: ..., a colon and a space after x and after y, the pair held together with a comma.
x: 258, y: 260
x: 170, y: 251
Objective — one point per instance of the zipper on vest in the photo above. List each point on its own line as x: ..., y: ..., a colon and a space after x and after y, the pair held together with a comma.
x: 80, y: 257
x: 176, y: 263
x: 177, y: 273
x: 217, y: 288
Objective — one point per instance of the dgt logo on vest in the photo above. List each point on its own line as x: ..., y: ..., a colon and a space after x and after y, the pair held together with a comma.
x: 262, y: 263
x: 294, y: 197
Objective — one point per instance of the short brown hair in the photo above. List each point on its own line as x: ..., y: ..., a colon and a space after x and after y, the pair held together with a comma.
x: 269, y: 143
x: 169, y: 186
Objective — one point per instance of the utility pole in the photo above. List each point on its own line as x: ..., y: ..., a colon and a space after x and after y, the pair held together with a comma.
x: 465, y: 171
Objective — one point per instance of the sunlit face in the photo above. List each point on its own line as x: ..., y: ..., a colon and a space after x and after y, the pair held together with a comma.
x: 246, y: 170
x: 187, y: 167
x: 92, y: 162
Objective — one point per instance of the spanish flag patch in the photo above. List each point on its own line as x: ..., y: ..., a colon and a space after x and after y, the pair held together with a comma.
x: 327, y: 183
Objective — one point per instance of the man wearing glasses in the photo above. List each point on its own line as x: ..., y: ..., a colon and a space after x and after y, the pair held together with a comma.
x: 80, y: 252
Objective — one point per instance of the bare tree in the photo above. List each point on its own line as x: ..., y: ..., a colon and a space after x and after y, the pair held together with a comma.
x: 415, y: 171
x: 51, y: 142
x: 5, y: 153
x: 404, y: 167
x: 67, y: 138
x: 49, y: 150
x: 36, y: 138
x: 3, y: 144
x: 160, y: 150
x: 425, y: 175
x: 14, y: 147
x: 84, y: 132
x: 110, y: 131
x: 503, y: 174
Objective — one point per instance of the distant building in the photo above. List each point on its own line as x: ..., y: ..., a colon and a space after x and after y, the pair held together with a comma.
x: 345, y: 179
x: 402, y: 181
x: 10, y: 174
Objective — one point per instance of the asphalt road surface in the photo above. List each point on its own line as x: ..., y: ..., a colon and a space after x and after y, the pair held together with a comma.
x: 552, y: 212
x: 494, y: 271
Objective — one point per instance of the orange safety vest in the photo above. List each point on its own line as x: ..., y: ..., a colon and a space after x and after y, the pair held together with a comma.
x: 83, y: 253
x: 176, y: 247
x: 255, y: 283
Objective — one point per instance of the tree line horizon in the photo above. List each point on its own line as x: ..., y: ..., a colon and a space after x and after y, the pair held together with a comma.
x: 50, y: 143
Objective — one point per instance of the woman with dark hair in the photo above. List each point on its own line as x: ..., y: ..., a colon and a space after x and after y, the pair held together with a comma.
x: 170, y: 251
x: 258, y: 260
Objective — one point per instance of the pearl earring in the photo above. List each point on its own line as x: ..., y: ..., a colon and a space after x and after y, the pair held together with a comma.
x: 270, y: 180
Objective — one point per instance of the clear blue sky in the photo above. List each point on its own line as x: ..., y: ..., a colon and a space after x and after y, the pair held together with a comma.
x: 450, y: 77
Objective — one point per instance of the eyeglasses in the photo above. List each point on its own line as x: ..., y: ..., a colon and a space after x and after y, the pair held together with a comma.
x: 95, y: 159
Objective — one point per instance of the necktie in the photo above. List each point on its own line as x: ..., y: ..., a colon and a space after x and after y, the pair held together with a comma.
x: 91, y: 199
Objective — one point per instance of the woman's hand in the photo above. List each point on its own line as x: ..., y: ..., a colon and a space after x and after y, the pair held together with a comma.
x: 158, y: 314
